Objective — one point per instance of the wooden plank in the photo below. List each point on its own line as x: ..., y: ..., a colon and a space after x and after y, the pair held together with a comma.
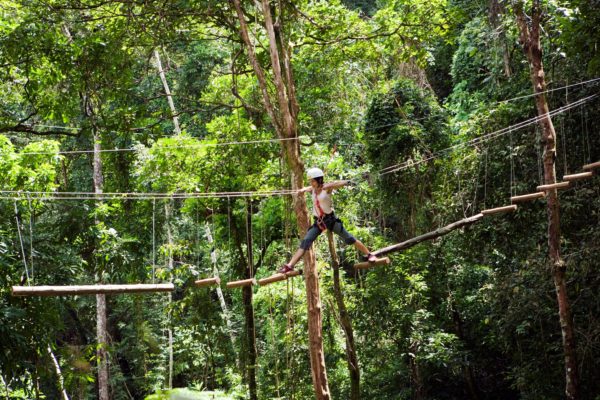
x: 578, y: 177
x: 498, y: 210
x: 429, y: 235
x: 208, y: 282
x: 591, y: 166
x: 279, y: 277
x: 242, y: 283
x: 527, y: 197
x: 557, y: 185
x: 371, y: 264
x: 90, y: 289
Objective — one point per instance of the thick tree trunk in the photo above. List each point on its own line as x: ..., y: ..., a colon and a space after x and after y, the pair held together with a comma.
x: 284, y: 119
x: 249, y: 309
x: 529, y: 34
x: 346, y: 322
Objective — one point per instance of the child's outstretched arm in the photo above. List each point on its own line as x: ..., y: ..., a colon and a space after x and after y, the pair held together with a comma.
x: 335, y: 185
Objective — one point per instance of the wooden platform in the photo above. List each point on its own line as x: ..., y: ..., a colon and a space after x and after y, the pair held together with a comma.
x: 279, y: 277
x: 527, y: 197
x: 591, y: 166
x: 90, y: 289
x: 216, y: 281
x: 557, y: 185
x: 242, y: 283
x: 371, y: 264
x: 578, y: 177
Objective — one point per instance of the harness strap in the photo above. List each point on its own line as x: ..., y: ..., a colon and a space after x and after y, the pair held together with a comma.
x: 320, y: 222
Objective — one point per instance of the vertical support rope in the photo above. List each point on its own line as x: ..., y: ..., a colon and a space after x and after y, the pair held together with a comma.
x: 274, y: 344
x: 476, y: 190
x: 562, y: 131
x: 153, y: 240
x: 21, y: 242
x: 485, y: 178
x: 540, y: 155
x: 251, y: 241
x: 31, y: 238
x: 229, y: 230
x: 586, y: 140
x: 512, y: 166
x: 462, y: 202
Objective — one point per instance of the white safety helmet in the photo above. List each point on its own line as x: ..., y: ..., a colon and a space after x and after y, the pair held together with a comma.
x: 313, y: 173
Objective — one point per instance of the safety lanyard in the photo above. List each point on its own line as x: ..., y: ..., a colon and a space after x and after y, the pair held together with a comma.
x: 320, y: 222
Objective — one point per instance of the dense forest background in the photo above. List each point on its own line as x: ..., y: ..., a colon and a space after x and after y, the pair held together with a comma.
x: 420, y: 104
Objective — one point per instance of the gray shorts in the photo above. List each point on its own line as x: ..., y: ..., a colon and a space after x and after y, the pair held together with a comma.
x: 333, y: 224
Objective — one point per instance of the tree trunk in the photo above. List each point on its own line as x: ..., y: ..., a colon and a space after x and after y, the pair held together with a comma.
x: 249, y: 309
x: 61, y: 381
x: 284, y: 119
x: 419, y: 392
x: 345, y: 321
x: 529, y: 35
x: 497, y: 9
x: 224, y: 309
x: 101, y: 333
x: 165, y: 83
x: 467, y: 370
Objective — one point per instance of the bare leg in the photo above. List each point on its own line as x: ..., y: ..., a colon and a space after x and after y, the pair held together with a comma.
x: 363, y: 249
x: 296, y: 257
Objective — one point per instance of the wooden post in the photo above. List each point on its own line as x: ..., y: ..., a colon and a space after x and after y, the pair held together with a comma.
x: 279, y: 277
x: 591, y: 166
x: 578, y: 177
x: 216, y: 281
x: 90, y: 289
x: 241, y: 283
x: 529, y: 26
x: 527, y: 197
x: 553, y: 186
x: 372, y: 264
x: 499, y: 210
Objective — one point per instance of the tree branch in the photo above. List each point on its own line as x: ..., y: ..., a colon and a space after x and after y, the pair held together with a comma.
x: 31, y: 129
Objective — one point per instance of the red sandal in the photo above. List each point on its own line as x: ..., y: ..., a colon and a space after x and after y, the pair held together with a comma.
x: 285, y: 268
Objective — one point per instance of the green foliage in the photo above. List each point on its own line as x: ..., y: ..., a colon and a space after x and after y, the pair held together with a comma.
x: 33, y: 169
x: 478, y: 302
x: 187, y: 394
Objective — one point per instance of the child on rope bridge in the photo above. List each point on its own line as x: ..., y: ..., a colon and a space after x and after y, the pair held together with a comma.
x: 324, y: 218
